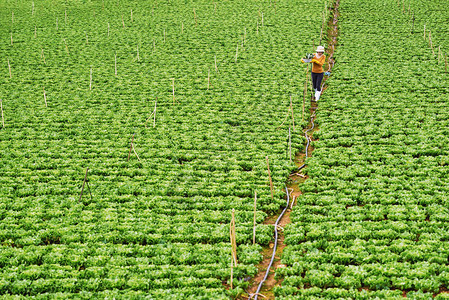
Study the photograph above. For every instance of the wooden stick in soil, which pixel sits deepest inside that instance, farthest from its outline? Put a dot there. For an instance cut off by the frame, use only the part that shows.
(271, 181)
(84, 182)
(135, 152)
(194, 16)
(304, 101)
(232, 271)
(254, 221)
(290, 144)
(45, 97)
(1, 107)
(9, 67)
(293, 117)
(123, 22)
(130, 147)
(233, 240)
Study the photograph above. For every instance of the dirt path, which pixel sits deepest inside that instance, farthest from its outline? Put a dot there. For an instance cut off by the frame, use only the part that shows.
(294, 180)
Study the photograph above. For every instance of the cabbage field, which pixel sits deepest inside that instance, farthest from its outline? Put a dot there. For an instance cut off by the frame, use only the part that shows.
(200, 89)
(132, 130)
(373, 220)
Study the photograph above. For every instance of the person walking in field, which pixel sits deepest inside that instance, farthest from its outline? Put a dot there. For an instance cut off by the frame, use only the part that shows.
(317, 71)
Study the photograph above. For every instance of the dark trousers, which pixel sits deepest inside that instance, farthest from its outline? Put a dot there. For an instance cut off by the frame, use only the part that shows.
(316, 80)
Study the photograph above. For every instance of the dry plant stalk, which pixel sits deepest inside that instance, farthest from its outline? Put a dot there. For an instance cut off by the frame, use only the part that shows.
(56, 23)
(138, 58)
(35, 32)
(290, 143)
(1, 107)
(232, 271)
(123, 22)
(182, 27)
(132, 21)
(45, 97)
(271, 181)
(254, 221)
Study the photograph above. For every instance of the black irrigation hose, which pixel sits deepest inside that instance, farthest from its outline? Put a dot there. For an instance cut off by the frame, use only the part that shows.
(275, 246)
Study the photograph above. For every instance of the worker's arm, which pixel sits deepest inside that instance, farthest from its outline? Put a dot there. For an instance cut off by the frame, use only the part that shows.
(318, 62)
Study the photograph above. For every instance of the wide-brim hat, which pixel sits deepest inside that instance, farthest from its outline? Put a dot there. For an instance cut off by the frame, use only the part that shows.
(320, 49)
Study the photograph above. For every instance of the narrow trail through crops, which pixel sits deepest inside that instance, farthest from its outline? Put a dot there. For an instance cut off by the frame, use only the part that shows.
(294, 180)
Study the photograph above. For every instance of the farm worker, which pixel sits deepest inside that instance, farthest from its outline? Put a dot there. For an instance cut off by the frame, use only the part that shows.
(317, 70)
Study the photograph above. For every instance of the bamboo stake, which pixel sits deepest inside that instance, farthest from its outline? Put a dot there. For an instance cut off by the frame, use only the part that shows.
(290, 143)
(215, 59)
(194, 16)
(66, 48)
(9, 67)
(45, 97)
(115, 63)
(135, 152)
(43, 56)
(262, 19)
(236, 52)
(254, 221)
(182, 27)
(173, 86)
(84, 182)
(1, 107)
(56, 23)
(123, 22)
(34, 31)
(233, 240)
(11, 40)
(271, 181)
(138, 58)
(65, 16)
(232, 270)
(257, 28)
(108, 28)
(132, 21)
(130, 147)
(293, 117)
(90, 82)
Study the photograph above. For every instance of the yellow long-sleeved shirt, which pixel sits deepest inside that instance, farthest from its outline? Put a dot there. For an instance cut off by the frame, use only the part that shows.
(317, 64)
